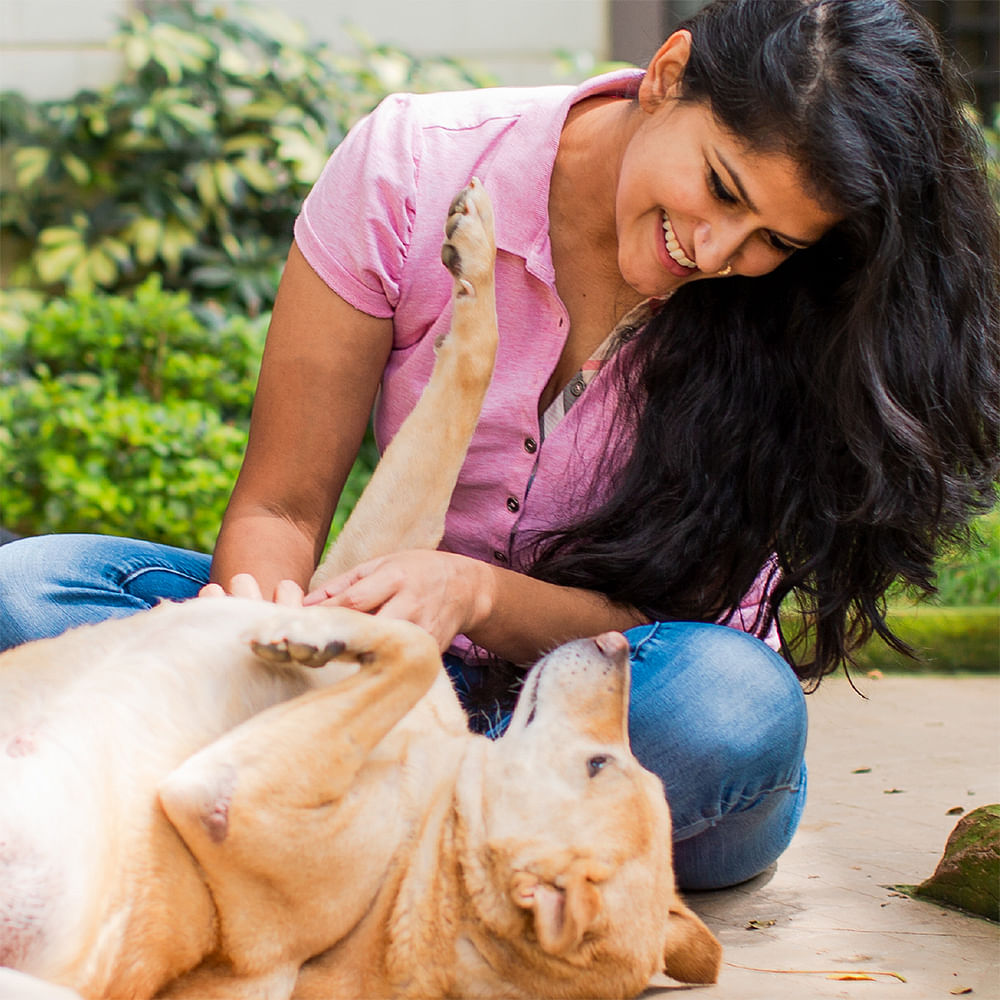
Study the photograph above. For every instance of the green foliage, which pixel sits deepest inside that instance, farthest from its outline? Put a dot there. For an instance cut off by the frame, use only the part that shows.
(973, 577)
(946, 640)
(124, 415)
(128, 415)
(991, 134)
(194, 163)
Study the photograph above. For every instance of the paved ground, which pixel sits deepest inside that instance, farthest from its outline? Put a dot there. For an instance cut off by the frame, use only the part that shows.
(931, 744)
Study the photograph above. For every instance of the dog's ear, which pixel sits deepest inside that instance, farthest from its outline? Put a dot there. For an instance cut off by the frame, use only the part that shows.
(562, 913)
(692, 954)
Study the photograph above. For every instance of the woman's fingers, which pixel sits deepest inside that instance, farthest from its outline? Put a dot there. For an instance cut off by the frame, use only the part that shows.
(288, 592)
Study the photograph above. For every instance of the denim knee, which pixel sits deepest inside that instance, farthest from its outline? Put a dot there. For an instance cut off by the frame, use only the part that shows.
(721, 718)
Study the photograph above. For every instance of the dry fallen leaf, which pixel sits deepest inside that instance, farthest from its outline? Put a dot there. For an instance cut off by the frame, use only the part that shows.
(758, 925)
(851, 977)
(955, 811)
(960, 990)
(893, 791)
(862, 770)
(829, 973)
(875, 675)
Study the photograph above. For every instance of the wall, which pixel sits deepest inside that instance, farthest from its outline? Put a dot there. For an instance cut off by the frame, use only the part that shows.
(51, 48)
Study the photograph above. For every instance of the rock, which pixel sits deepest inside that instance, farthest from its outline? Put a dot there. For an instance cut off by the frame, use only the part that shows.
(968, 874)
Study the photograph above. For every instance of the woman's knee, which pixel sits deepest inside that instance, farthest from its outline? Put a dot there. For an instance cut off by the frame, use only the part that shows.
(721, 718)
(717, 714)
(720, 686)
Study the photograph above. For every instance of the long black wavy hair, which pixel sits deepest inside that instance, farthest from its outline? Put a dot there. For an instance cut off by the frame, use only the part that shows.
(841, 413)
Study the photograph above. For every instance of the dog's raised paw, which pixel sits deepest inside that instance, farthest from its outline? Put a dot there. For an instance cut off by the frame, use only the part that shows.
(468, 250)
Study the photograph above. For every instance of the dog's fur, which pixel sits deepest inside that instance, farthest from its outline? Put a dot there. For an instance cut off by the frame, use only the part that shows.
(228, 798)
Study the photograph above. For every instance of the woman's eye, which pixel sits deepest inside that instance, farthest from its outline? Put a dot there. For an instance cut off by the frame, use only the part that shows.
(719, 189)
(780, 245)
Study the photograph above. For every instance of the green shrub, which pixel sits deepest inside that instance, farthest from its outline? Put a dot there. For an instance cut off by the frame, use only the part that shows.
(125, 416)
(128, 415)
(195, 162)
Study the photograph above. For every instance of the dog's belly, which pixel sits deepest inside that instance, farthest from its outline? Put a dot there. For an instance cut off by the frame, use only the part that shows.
(85, 738)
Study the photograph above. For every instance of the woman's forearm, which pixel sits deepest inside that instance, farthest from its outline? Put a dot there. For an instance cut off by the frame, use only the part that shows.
(519, 618)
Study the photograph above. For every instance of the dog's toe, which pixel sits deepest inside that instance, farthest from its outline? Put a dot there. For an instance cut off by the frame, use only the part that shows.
(468, 249)
(273, 651)
(315, 656)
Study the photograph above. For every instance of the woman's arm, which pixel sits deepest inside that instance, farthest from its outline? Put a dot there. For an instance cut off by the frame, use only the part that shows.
(512, 615)
(321, 368)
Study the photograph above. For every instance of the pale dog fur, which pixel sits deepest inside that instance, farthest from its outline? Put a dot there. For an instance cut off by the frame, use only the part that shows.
(186, 813)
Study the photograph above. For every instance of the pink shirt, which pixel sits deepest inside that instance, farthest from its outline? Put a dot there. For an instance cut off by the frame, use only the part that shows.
(372, 229)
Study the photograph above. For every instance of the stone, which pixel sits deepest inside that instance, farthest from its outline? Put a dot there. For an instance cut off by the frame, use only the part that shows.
(968, 874)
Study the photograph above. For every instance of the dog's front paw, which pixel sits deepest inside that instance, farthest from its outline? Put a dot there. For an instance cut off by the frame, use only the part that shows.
(469, 249)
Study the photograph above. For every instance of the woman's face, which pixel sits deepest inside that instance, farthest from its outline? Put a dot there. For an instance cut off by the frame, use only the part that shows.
(692, 199)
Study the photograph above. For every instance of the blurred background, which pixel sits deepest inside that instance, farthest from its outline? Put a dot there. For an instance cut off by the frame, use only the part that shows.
(51, 48)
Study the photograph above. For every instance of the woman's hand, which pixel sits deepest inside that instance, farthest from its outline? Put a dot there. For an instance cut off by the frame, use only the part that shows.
(244, 585)
(443, 593)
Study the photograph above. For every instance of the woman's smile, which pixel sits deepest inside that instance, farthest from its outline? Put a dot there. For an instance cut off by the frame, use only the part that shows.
(675, 252)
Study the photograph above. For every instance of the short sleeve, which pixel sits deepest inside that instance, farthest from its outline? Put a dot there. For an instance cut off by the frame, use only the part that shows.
(354, 227)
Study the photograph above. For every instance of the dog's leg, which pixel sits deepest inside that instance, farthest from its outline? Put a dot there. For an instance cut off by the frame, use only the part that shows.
(264, 807)
(404, 504)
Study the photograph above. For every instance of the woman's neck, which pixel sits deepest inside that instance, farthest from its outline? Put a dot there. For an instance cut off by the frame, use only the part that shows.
(582, 197)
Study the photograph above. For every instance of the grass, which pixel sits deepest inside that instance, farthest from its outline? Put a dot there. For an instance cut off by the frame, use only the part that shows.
(947, 640)
(959, 629)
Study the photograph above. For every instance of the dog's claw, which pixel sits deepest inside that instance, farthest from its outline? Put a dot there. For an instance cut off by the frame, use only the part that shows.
(273, 652)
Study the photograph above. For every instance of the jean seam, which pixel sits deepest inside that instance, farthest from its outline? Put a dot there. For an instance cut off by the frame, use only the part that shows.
(637, 648)
(743, 804)
(172, 571)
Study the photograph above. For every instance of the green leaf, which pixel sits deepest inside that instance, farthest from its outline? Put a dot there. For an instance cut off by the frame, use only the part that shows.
(76, 168)
(55, 265)
(196, 120)
(30, 163)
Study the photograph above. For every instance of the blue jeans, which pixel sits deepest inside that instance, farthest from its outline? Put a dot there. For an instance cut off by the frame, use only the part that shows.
(715, 713)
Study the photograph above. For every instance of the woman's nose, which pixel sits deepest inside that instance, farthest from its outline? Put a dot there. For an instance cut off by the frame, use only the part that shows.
(717, 243)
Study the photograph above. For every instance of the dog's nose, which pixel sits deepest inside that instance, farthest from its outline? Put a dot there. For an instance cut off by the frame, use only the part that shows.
(612, 644)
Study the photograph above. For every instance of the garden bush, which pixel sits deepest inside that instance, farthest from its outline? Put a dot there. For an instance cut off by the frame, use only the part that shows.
(128, 414)
(194, 163)
(124, 415)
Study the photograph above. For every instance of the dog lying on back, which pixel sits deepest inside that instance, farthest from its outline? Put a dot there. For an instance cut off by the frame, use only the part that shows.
(232, 799)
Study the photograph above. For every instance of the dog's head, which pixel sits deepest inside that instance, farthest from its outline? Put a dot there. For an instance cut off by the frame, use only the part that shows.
(574, 839)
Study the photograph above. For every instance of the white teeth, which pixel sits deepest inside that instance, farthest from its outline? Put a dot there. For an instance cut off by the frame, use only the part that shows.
(673, 247)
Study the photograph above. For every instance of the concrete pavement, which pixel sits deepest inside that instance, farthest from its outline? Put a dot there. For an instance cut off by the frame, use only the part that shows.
(883, 775)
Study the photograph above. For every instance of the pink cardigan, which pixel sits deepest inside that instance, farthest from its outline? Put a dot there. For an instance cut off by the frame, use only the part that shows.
(372, 227)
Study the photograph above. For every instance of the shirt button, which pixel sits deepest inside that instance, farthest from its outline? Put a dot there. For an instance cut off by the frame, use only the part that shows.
(577, 387)
(512, 505)
(499, 556)
(530, 445)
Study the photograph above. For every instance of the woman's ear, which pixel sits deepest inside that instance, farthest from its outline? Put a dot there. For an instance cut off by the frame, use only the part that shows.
(665, 71)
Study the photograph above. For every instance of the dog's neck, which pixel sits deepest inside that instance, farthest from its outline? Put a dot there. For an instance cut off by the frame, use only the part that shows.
(493, 932)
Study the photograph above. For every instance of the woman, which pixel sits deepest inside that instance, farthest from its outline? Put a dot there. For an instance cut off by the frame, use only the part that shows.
(748, 312)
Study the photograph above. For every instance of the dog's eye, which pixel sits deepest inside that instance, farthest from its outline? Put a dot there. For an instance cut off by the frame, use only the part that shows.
(596, 764)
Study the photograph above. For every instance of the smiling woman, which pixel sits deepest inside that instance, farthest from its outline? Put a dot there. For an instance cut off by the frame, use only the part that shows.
(748, 315)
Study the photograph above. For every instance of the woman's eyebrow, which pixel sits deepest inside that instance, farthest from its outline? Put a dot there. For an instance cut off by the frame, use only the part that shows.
(738, 184)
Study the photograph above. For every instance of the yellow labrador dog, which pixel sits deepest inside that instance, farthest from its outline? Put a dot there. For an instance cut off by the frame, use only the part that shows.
(232, 799)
